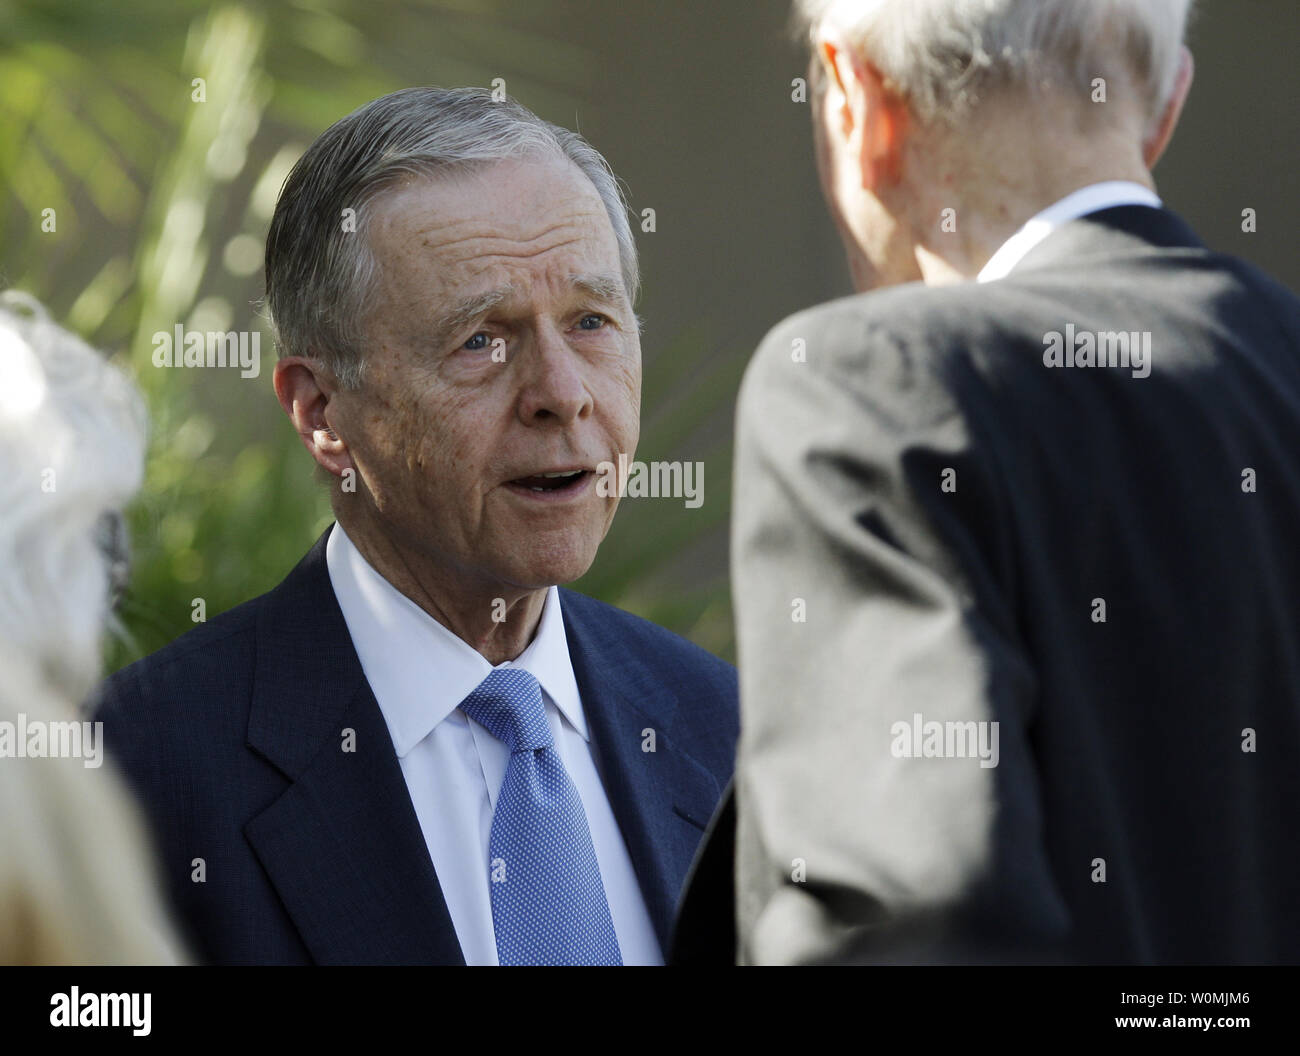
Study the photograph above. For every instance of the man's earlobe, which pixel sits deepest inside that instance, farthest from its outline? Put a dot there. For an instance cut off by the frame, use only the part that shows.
(305, 389)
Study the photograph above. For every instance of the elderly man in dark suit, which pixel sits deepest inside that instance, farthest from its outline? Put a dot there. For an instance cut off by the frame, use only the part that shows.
(417, 749)
(1015, 539)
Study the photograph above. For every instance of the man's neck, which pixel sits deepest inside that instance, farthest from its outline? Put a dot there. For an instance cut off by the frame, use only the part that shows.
(496, 621)
(961, 220)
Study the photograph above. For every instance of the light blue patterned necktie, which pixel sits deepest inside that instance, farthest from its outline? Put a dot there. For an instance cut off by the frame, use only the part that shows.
(548, 901)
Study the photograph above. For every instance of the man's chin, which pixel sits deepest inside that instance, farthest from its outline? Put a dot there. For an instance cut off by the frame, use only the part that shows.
(548, 570)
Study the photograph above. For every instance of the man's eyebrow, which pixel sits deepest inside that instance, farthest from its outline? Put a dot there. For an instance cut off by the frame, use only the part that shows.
(606, 288)
(603, 287)
(466, 311)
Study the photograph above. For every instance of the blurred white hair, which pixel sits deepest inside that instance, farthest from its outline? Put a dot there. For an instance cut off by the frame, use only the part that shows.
(945, 56)
(72, 434)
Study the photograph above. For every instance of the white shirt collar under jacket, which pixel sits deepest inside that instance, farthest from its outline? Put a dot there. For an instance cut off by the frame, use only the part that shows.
(420, 671)
(1091, 199)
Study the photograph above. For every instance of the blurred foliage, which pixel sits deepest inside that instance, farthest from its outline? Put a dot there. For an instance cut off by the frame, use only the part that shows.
(160, 207)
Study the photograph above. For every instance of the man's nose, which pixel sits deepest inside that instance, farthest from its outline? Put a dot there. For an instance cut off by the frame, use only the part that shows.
(554, 386)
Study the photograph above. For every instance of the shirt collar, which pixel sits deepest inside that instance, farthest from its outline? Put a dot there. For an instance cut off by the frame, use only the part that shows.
(1090, 199)
(547, 660)
(418, 669)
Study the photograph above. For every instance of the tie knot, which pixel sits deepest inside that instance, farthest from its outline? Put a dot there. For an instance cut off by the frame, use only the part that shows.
(508, 704)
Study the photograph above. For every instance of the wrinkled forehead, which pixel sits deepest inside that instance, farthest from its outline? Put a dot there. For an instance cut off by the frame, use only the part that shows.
(518, 222)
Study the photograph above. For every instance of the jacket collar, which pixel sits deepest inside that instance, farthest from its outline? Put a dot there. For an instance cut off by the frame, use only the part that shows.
(1122, 230)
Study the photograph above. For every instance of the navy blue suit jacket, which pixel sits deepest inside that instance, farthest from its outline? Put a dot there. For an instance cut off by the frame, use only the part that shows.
(233, 738)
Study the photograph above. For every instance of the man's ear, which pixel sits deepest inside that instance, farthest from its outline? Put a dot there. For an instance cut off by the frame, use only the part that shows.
(308, 392)
(871, 118)
(838, 73)
(886, 124)
(1163, 132)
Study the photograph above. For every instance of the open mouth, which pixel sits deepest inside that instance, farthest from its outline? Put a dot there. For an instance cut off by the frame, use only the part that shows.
(563, 482)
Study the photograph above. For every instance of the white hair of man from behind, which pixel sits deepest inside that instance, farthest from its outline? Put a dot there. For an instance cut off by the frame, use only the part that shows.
(947, 56)
(72, 435)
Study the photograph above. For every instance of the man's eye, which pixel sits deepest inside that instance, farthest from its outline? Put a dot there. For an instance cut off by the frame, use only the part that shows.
(591, 322)
(477, 343)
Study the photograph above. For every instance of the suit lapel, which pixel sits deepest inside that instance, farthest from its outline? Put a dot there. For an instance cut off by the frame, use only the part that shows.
(342, 844)
(661, 797)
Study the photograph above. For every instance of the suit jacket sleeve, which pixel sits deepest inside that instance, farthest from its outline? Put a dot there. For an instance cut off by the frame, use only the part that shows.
(873, 562)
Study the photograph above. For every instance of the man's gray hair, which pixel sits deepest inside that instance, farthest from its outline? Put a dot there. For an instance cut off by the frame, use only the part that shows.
(945, 56)
(321, 276)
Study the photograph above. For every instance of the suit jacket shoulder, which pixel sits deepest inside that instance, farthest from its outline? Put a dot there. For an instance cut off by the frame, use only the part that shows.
(212, 654)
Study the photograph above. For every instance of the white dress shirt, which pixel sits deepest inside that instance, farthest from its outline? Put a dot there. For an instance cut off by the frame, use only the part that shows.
(1090, 199)
(420, 672)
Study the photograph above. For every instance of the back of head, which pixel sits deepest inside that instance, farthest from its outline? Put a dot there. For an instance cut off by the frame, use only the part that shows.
(949, 57)
(988, 109)
(74, 858)
(72, 433)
